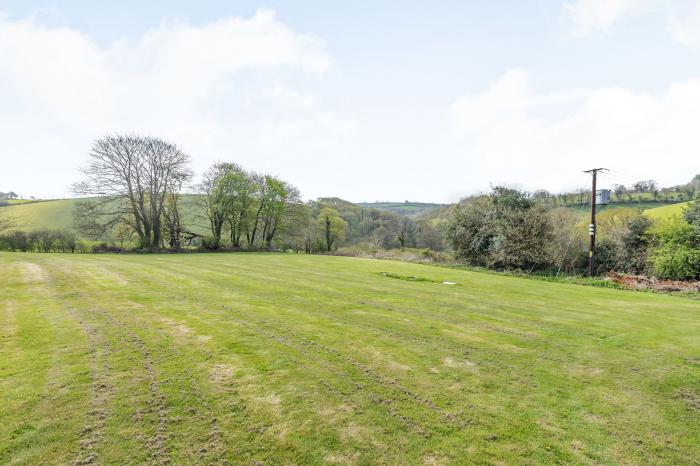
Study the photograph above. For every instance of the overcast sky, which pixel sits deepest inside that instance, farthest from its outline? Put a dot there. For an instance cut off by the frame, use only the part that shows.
(375, 100)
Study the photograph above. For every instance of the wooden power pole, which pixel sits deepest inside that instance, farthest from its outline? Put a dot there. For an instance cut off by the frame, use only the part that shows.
(592, 226)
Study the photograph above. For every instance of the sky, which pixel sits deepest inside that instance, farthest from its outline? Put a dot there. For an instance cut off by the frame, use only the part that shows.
(363, 100)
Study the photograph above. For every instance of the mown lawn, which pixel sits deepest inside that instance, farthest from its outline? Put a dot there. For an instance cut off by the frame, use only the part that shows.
(293, 359)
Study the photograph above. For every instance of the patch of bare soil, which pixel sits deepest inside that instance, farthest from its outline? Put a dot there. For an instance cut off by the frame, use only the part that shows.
(179, 330)
(642, 282)
(690, 397)
(32, 273)
(221, 374)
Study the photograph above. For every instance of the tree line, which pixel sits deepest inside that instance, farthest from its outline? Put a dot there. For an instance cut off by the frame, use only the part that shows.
(142, 193)
(639, 191)
(509, 229)
(43, 240)
(137, 194)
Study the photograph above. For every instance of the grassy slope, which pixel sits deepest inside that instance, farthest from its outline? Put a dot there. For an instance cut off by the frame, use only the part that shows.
(54, 214)
(666, 211)
(307, 360)
(17, 201)
(58, 214)
(410, 209)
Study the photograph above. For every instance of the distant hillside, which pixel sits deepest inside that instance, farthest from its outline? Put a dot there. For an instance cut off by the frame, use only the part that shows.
(666, 211)
(641, 205)
(57, 214)
(54, 214)
(410, 209)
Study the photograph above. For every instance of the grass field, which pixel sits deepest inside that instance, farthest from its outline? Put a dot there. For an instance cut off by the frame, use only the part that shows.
(666, 211)
(58, 214)
(17, 201)
(411, 209)
(293, 359)
(54, 214)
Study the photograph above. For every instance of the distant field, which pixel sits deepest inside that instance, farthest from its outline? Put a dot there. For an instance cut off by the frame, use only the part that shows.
(294, 359)
(403, 208)
(58, 214)
(54, 214)
(640, 206)
(667, 211)
(16, 201)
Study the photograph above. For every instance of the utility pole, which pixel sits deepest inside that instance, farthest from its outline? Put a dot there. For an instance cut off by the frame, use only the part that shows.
(592, 226)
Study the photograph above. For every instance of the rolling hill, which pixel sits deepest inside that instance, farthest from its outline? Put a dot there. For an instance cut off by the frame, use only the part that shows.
(52, 214)
(58, 214)
(666, 211)
(409, 209)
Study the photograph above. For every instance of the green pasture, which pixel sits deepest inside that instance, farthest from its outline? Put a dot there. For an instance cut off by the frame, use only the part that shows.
(295, 359)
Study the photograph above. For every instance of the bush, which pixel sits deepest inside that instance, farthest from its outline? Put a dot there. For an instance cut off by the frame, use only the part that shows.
(607, 257)
(104, 247)
(676, 261)
(41, 241)
(502, 230)
(676, 252)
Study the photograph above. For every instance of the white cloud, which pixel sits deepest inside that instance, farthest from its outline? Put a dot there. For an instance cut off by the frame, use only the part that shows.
(684, 22)
(548, 138)
(682, 16)
(237, 88)
(588, 16)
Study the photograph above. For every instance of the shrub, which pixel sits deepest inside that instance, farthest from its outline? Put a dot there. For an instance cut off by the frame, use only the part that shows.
(502, 230)
(676, 252)
(104, 247)
(676, 261)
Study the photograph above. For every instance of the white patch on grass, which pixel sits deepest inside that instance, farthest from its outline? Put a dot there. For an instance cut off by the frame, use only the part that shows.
(461, 364)
(221, 374)
(32, 273)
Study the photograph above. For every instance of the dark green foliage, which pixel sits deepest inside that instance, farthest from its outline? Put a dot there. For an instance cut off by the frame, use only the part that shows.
(471, 233)
(635, 242)
(608, 257)
(374, 228)
(676, 261)
(41, 241)
(676, 253)
(692, 216)
(502, 230)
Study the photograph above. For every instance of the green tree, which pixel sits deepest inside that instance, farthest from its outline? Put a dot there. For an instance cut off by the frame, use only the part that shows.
(214, 201)
(332, 227)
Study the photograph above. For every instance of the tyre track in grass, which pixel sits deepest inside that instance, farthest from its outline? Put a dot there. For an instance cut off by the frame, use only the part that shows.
(400, 393)
(92, 434)
(157, 444)
(386, 393)
(369, 373)
(387, 404)
(214, 449)
(310, 350)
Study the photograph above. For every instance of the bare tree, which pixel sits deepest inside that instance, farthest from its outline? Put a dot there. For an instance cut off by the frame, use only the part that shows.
(407, 232)
(619, 190)
(130, 178)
